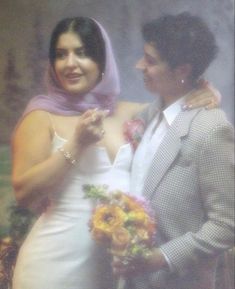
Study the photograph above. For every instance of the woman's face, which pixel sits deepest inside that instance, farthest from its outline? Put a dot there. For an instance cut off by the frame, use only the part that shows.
(76, 72)
(159, 77)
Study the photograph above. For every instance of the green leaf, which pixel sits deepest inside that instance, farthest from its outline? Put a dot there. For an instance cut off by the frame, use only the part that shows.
(95, 192)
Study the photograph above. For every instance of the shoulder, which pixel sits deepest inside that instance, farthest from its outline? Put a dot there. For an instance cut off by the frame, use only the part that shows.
(211, 125)
(33, 123)
(212, 118)
(131, 108)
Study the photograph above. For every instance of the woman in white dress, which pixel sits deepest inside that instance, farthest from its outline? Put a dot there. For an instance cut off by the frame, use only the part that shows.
(58, 146)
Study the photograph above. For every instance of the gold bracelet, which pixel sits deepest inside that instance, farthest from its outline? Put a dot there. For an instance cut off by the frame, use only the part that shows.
(68, 156)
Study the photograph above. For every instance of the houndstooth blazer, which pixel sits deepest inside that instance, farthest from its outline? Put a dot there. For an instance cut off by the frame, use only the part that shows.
(190, 185)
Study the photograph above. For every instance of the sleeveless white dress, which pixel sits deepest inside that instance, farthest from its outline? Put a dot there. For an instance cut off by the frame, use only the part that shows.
(59, 252)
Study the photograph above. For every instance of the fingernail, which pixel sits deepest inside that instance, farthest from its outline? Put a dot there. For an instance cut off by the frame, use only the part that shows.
(106, 111)
(184, 107)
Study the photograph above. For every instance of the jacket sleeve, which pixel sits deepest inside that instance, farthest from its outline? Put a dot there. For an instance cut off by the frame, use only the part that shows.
(216, 183)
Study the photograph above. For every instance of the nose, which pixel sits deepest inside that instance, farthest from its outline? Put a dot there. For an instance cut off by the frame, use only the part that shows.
(141, 64)
(71, 60)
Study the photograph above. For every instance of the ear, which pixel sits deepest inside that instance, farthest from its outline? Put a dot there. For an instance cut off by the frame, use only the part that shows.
(184, 71)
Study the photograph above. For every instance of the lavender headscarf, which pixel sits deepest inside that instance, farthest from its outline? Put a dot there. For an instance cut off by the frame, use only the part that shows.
(103, 96)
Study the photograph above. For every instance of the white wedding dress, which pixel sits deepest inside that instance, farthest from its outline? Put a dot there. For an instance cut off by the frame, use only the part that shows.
(59, 252)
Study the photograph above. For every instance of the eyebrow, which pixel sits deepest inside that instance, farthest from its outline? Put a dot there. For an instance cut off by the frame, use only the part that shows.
(80, 48)
(150, 56)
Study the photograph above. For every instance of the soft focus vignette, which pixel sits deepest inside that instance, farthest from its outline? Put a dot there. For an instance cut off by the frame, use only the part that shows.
(26, 44)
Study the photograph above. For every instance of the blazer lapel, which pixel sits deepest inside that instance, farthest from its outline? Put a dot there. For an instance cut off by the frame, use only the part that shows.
(167, 151)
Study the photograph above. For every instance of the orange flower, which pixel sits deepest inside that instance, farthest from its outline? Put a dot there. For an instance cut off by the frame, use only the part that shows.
(122, 223)
(100, 237)
(138, 217)
(120, 239)
(151, 226)
(107, 218)
(128, 203)
(143, 234)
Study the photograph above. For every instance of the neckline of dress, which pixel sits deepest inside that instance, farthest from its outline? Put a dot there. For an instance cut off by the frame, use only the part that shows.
(112, 162)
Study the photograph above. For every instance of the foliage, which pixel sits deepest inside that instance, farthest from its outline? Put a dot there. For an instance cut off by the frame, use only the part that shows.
(20, 222)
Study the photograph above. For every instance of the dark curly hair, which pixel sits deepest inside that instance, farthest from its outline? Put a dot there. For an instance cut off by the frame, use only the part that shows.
(90, 34)
(182, 39)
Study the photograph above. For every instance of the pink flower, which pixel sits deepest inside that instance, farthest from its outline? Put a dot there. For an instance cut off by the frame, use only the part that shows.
(133, 131)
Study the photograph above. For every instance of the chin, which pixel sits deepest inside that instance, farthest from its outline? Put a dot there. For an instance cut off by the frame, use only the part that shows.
(151, 89)
(74, 90)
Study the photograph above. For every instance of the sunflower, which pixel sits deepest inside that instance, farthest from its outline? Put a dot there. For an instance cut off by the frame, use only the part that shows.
(107, 218)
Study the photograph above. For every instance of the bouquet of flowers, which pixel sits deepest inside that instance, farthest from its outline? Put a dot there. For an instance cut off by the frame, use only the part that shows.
(122, 223)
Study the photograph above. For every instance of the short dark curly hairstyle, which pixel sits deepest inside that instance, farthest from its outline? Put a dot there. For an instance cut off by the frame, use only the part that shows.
(182, 39)
(90, 34)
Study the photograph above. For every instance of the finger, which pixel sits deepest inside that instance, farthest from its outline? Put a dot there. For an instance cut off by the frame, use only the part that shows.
(96, 133)
(201, 98)
(129, 271)
(89, 112)
(101, 115)
(212, 104)
(102, 132)
(208, 103)
(202, 83)
(206, 86)
(199, 103)
(195, 96)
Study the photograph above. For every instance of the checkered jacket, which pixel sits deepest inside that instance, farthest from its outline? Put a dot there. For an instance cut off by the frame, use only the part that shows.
(190, 185)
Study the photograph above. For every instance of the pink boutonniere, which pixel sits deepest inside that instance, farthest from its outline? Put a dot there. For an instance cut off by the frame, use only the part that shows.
(133, 131)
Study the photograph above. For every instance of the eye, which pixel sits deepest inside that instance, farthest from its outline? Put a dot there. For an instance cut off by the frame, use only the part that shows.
(60, 54)
(150, 60)
(80, 52)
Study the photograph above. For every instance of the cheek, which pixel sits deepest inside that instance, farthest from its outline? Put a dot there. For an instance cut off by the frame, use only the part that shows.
(161, 77)
(57, 69)
(95, 73)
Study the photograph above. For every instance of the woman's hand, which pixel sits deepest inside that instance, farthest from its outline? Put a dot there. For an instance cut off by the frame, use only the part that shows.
(89, 130)
(204, 96)
(123, 266)
(90, 127)
(37, 171)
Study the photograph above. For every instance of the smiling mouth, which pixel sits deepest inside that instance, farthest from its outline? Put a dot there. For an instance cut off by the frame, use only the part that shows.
(145, 79)
(73, 76)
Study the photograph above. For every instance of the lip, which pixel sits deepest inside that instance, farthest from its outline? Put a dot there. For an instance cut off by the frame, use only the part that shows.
(146, 79)
(73, 76)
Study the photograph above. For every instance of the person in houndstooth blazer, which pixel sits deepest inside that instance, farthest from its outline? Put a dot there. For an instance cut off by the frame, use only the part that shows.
(184, 163)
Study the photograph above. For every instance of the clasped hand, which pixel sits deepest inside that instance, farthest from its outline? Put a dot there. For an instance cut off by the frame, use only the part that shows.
(90, 127)
(130, 267)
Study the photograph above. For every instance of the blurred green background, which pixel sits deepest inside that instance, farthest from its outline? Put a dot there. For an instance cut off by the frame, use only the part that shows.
(6, 191)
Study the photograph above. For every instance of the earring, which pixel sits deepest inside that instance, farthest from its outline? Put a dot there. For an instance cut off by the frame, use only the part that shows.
(182, 81)
(102, 75)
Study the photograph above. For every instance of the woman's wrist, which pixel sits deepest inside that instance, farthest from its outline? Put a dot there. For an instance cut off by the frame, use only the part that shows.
(68, 156)
(71, 152)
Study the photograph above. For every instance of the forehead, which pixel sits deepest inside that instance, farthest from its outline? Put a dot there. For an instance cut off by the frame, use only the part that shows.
(69, 40)
(151, 50)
